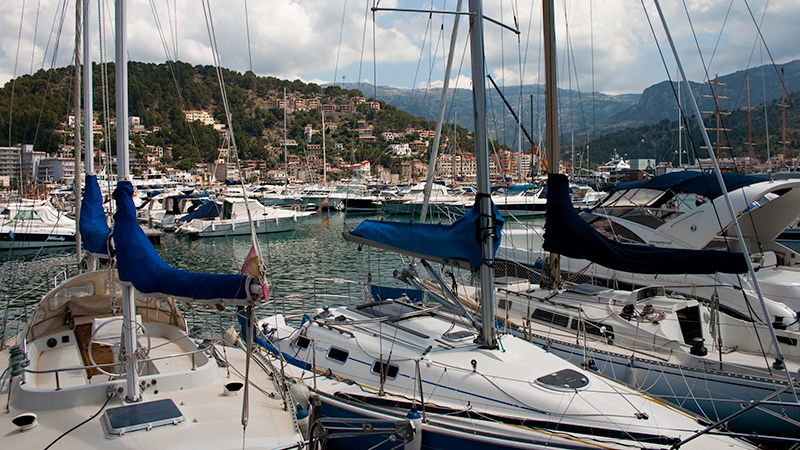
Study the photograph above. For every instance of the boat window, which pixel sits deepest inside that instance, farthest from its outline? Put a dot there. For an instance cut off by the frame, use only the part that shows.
(504, 304)
(227, 211)
(27, 215)
(391, 370)
(649, 292)
(302, 342)
(64, 295)
(566, 379)
(597, 329)
(550, 317)
(338, 354)
(787, 340)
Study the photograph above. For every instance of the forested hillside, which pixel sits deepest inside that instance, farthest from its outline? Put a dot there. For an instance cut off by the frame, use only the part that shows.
(160, 93)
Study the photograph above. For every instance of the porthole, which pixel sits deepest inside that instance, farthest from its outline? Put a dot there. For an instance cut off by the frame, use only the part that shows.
(338, 354)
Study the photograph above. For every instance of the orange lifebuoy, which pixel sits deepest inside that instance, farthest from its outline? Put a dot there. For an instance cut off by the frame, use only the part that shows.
(295, 207)
(453, 185)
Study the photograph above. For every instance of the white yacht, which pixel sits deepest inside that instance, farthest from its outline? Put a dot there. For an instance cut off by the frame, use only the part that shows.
(229, 217)
(28, 224)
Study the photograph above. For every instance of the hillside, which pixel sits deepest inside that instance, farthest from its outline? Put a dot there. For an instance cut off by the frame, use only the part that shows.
(659, 141)
(160, 93)
(608, 113)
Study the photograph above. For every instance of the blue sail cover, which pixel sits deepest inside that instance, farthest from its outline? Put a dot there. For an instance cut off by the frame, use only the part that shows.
(694, 182)
(92, 224)
(139, 264)
(566, 233)
(457, 240)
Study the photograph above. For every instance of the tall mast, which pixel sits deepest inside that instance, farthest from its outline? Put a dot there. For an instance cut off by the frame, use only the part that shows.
(285, 143)
(324, 167)
(551, 118)
(749, 120)
(482, 160)
(88, 113)
(783, 106)
(124, 174)
(680, 124)
(76, 131)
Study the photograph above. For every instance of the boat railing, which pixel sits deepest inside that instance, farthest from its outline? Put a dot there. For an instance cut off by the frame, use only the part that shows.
(59, 370)
(346, 293)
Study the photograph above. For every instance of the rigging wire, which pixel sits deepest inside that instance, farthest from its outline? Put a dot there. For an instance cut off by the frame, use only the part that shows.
(363, 43)
(339, 48)
(247, 26)
(14, 82)
(769, 53)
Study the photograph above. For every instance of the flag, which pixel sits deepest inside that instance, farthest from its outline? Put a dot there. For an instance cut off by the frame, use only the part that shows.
(252, 268)
(323, 205)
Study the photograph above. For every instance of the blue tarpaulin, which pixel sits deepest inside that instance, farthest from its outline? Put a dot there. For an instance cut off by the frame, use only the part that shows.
(566, 233)
(458, 240)
(694, 182)
(207, 210)
(93, 225)
(139, 264)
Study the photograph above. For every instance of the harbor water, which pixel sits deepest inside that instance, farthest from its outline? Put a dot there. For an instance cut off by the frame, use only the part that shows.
(312, 263)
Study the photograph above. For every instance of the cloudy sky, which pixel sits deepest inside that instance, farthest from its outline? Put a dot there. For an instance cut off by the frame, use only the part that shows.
(605, 44)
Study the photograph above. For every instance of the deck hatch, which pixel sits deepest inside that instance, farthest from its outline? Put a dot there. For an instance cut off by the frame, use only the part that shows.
(566, 379)
(141, 416)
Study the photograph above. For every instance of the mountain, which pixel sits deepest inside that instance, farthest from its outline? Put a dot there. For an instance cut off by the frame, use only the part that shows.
(501, 124)
(609, 112)
(658, 102)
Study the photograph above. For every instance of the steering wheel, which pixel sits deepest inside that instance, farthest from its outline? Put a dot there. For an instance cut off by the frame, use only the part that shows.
(145, 351)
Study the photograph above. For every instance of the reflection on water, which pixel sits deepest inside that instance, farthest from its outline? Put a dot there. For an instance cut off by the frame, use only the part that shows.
(293, 261)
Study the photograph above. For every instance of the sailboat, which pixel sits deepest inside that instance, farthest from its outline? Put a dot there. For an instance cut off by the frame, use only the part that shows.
(106, 360)
(460, 382)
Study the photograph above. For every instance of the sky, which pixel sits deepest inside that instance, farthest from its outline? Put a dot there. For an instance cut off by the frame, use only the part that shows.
(603, 45)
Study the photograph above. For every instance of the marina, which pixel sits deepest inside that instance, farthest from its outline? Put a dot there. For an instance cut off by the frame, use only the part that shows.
(308, 300)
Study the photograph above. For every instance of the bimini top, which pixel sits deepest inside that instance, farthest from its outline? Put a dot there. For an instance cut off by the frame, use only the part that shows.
(693, 182)
(566, 233)
(453, 244)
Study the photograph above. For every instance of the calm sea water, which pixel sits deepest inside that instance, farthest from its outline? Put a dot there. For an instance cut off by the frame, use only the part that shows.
(304, 265)
(309, 261)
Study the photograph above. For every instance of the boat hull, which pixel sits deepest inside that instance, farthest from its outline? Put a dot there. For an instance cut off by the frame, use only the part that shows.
(713, 394)
(35, 240)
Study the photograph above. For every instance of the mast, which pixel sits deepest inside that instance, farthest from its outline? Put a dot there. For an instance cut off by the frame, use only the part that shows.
(324, 166)
(482, 159)
(750, 110)
(124, 174)
(553, 275)
(88, 113)
(783, 106)
(76, 132)
(285, 143)
(680, 125)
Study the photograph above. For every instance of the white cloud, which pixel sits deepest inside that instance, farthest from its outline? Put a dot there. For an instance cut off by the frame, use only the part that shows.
(612, 49)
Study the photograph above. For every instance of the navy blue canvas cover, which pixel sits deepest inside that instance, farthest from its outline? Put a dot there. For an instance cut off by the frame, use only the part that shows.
(93, 226)
(566, 233)
(457, 240)
(139, 264)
